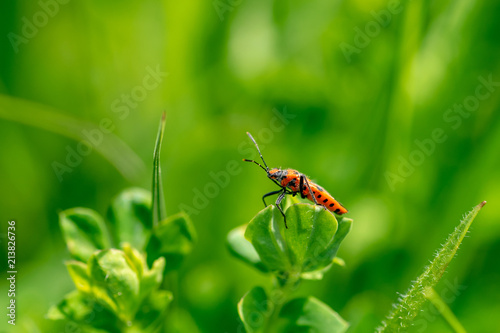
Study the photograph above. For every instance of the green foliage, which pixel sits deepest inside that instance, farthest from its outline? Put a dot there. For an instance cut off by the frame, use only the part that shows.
(50, 119)
(115, 288)
(310, 315)
(444, 310)
(254, 310)
(412, 302)
(84, 232)
(119, 281)
(413, 65)
(298, 315)
(306, 250)
(242, 249)
(159, 210)
(79, 307)
(120, 287)
(173, 238)
(130, 215)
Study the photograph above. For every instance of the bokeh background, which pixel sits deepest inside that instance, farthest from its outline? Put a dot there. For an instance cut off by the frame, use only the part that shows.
(360, 82)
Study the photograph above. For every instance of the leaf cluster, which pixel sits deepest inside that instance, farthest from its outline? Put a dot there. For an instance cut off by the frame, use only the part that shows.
(119, 267)
(118, 270)
(304, 251)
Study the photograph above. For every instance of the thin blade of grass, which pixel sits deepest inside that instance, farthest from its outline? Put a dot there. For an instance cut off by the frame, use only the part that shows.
(412, 302)
(47, 118)
(444, 310)
(159, 210)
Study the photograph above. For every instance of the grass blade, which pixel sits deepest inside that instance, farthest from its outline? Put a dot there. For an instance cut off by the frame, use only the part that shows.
(444, 309)
(159, 210)
(410, 304)
(47, 118)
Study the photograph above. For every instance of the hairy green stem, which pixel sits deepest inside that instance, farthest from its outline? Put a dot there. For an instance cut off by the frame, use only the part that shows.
(412, 302)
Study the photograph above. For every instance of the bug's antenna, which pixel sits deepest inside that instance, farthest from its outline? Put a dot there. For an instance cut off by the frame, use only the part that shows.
(262, 158)
(255, 163)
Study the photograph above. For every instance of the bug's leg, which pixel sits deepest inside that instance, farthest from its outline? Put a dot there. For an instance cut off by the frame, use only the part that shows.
(312, 194)
(303, 180)
(278, 203)
(301, 187)
(269, 194)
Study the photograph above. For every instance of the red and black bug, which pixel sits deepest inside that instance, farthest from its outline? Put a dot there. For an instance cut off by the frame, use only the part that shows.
(292, 182)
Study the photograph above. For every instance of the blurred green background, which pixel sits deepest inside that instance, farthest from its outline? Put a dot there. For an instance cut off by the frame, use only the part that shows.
(360, 81)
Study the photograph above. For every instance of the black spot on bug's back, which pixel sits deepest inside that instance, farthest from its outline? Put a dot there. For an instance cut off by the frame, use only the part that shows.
(319, 196)
(331, 205)
(337, 210)
(325, 200)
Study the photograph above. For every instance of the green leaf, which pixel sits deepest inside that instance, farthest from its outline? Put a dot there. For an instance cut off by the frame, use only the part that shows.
(263, 232)
(90, 316)
(135, 259)
(121, 280)
(152, 279)
(151, 313)
(310, 315)
(259, 313)
(173, 238)
(308, 247)
(323, 255)
(180, 320)
(412, 302)
(115, 282)
(78, 272)
(241, 248)
(159, 210)
(255, 309)
(130, 214)
(290, 200)
(84, 232)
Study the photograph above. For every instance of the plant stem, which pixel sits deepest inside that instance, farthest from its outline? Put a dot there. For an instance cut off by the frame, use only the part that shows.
(173, 281)
(280, 295)
(444, 309)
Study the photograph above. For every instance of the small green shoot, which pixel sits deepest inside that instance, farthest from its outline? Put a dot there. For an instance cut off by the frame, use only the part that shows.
(412, 302)
(120, 282)
(159, 210)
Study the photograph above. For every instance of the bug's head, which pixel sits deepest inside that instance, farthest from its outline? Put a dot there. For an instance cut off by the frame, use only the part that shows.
(275, 174)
